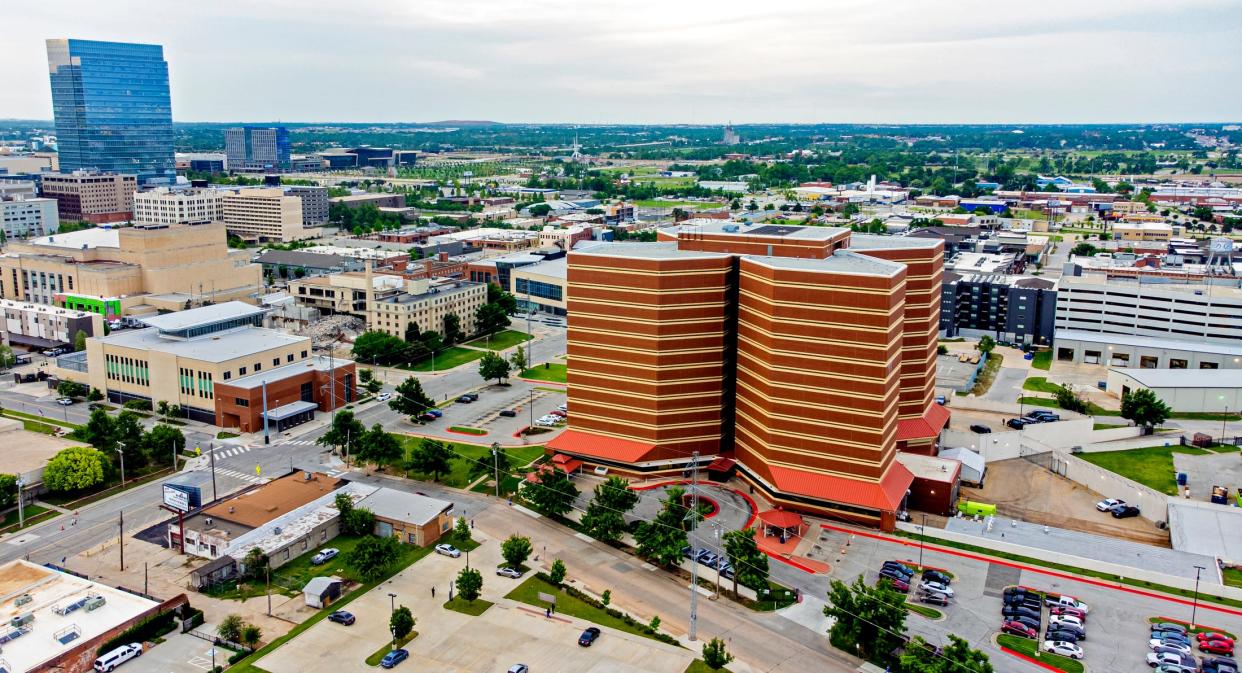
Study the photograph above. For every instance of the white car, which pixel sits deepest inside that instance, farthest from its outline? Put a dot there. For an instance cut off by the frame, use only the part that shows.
(1063, 648)
(936, 587)
(1155, 659)
(448, 550)
(1108, 504)
(511, 573)
(324, 556)
(1170, 644)
(1066, 602)
(1058, 620)
(384, 397)
(518, 668)
(564, 407)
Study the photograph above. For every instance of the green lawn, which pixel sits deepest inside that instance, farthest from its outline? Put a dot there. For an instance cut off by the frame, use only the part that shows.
(1233, 577)
(501, 340)
(930, 613)
(1092, 408)
(468, 431)
(1108, 426)
(1042, 360)
(473, 608)
(32, 511)
(292, 576)
(697, 666)
(1027, 646)
(1151, 466)
(550, 371)
(225, 434)
(469, 454)
(1040, 384)
(988, 374)
(21, 415)
(448, 358)
(528, 592)
(375, 657)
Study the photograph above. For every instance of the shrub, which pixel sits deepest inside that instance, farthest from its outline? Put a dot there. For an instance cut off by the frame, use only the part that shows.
(141, 405)
(150, 628)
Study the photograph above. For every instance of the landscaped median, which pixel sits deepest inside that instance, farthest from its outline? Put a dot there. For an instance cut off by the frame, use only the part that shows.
(374, 659)
(1025, 648)
(570, 601)
(473, 608)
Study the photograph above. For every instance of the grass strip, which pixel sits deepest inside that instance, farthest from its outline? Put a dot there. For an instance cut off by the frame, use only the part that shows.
(1031, 649)
(374, 659)
(473, 608)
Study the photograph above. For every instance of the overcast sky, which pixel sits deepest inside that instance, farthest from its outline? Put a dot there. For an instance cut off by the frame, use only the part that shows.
(660, 61)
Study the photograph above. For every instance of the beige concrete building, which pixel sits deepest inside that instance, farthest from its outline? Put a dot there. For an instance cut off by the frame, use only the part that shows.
(38, 326)
(90, 196)
(139, 269)
(1132, 230)
(541, 287)
(179, 357)
(393, 302)
(164, 206)
(265, 215)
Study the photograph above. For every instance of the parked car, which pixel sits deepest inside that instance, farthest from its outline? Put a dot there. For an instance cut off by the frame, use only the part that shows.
(110, 660)
(708, 559)
(1016, 423)
(1218, 665)
(474, 397)
(895, 575)
(558, 413)
(341, 617)
(900, 567)
(1066, 610)
(980, 429)
(1066, 635)
(518, 668)
(1018, 629)
(1170, 644)
(383, 397)
(1045, 416)
(1125, 512)
(435, 412)
(1216, 646)
(508, 413)
(928, 585)
(1208, 635)
(1067, 601)
(564, 406)
(65, 401)
(1023, 599)
(937, 576)
(933, 598)
(448, 550)
(393, 658)
(1032, 419)
(589, 636)
(1175, 636)
(324, 556)
(465, 399)
(1162, 649)
(1155, 659)
(897, 584)
(1063, 648)
(511, 573)
(1023, 610)
(1108, 504)
(1059, 620)
(427, 417)
(1033, 624)
(687, 552)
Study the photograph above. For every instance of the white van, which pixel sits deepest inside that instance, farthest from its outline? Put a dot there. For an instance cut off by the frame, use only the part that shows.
(117, 657)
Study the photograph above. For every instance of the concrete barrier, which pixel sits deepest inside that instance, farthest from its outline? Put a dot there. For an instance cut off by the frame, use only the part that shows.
(1064, 434)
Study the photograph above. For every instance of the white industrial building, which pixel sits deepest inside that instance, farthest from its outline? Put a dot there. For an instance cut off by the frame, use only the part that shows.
(1143, 352)
(1213, 390)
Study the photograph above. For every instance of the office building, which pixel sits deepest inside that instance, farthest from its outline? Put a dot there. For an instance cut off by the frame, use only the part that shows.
(315, 203)
(1169, 310)
(23, 216)
(202, 162)
(804, 354)
(1016, 309)
(112, 107)
(89, 196)
(129, 270)
(541, 287)
(253, 148)
(11, 187)
(191, 206)
(377, 200)
(389, 302)
(295, 390)
(39, 326)
(266, 215)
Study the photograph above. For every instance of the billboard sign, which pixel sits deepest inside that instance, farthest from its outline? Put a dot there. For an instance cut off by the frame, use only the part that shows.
(182, 497)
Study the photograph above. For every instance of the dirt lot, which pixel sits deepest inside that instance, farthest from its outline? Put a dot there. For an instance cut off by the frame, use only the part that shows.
(1028, 492)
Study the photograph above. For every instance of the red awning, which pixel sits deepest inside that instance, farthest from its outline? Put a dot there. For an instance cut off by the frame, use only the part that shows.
(778, 518)
(721, 464)
(591, 445)
(566, 464)
(930, 425)
(884, 496)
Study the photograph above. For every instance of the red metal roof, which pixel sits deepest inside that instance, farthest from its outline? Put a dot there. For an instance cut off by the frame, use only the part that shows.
(930, 425)
(566, 464)
(779, 518)
(590, 445)
(885, 495)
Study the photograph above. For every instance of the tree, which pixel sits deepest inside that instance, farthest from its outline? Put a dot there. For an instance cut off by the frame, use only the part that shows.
(452, 329)
(557, 573)
(127, 434)
(518, 359)
(379, 447)
(379, 348)
(492, 366)
(986, 344)
(401, 623)
(1145, 409)
(411, 332)
(162, 441)
(346, 431)
(360, 521)
(95, 395)
(654, 624)
(870, 620)
(256, 563)
(1069, 400)
(604, 519)
(942, 349)
(98, 431)
(373, 555)
(461, 529)
(373, 386)
(554, 493)
(410, 400)
(662, 538)
(250, 635)
(67, 388)
(606, 597)
(469, 584)
(6, 357)
(715, 655)
(230, 628)
(750, 565)
(8, 490)
(366, 375)
(430, 456)
(919, 656)
(490, 318)
(79, 341)
(499, 465)
(1084, 250)
(515, 550)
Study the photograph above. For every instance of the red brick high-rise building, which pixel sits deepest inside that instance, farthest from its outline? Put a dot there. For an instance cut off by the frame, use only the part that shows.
(805, 354)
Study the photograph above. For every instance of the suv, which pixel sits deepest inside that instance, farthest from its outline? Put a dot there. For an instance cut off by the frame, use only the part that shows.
(1125, 511)
(1016, 423)
(1045, 416)
(980, 429)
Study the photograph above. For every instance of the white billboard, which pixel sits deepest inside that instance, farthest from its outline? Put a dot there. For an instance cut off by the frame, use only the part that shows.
(176, 498)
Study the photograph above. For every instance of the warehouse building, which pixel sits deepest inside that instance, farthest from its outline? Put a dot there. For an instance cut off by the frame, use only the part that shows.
(1191, 390)
(1142, 352)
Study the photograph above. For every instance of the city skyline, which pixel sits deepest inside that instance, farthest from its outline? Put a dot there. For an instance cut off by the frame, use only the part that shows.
(554, 62)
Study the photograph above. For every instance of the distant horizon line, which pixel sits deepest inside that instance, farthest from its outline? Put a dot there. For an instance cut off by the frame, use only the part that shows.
(481, 122)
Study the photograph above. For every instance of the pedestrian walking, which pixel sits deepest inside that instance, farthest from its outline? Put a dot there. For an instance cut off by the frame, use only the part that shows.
(547, 612)
(433, 591)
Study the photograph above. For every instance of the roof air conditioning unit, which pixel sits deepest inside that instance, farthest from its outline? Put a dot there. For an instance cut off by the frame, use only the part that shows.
(277, 530)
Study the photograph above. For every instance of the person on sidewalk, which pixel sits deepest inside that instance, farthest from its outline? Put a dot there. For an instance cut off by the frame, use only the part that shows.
(433, 591)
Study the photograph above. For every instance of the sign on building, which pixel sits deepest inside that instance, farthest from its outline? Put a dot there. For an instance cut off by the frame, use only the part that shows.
(182, 497)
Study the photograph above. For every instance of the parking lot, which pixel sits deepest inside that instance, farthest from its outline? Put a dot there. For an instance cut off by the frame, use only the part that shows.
(485, 412)
(1117, 625)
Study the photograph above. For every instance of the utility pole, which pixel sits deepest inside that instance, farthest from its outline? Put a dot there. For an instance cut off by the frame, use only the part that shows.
(530, 336)
(532, 412)
(694, 566)
(266, 438)
(145, 584)
(269, 588)
(211, 450)
(120, 536)
(21, 507)
(922, 530)
(1195, 608)
(496, 466)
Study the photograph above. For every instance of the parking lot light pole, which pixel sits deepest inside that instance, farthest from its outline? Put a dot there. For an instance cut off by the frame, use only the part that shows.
(496, 465)
(1195, 606)
(392, 610)
(922, 530)
(121, 453)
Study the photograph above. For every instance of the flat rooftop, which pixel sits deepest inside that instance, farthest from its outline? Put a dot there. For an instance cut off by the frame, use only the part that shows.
(48, 634)
(95, 237)
(1106, 339)
(219, 347)
(873, 242)
(42, 308)
(932, 468)
(659, 250)
(397, 505)
(1184, 378)
(840, 262)
(204, 315)
(275, 498)
(25, 451)
(1204, 528)
(556, 268)
(727, 228)
(319, 363)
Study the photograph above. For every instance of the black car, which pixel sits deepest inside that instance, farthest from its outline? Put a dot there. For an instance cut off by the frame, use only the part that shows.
(1046, 416)
(1026, 621)
(465, 399)
(1062, 634)
(1022, 599)
(1015, 591)
(1125, 511)
(1016, 423)
(893, 573)
(1032, 419)
(1020, 611)
(341, 617)
(933, 598)
(980, 429)
(1219, 665)
(1067, 629)
(589, 636)
(903, 569)
(937, 576)
(508, 413)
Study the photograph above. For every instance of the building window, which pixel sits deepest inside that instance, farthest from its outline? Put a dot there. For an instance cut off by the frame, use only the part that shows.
(1177, 364)
(275, 362)
(241, 401)
(228, 375)
(241, 371)
(1208, 365)
(258, 366)
(303, 353)
(289, 357)
(1148, 362)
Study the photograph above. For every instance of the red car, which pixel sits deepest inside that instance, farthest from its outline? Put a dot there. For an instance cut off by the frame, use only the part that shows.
(903, 587)
(1202, 636)
(1067, 610)
(1019, 629)
(1216, 646)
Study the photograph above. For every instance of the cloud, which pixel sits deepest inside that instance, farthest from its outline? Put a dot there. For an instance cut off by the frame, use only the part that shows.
(701, 61)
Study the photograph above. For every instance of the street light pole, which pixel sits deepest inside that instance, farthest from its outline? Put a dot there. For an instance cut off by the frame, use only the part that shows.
(496, 466)
(922, 530)
(121, 453)
(21, 509)
(1195, 606)
(392, 611)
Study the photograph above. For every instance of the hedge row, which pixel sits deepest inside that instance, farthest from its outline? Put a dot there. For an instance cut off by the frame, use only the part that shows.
(155, 626)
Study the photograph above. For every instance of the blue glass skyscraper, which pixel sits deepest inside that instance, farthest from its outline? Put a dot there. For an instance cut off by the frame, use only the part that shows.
(112, 107)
